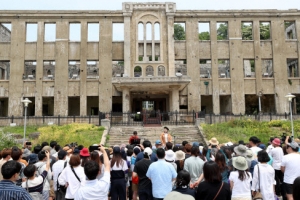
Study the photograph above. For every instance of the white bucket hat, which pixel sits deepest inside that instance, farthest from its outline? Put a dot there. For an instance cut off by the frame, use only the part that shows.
(240, 163)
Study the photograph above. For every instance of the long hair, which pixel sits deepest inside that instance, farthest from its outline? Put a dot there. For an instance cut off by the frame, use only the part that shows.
(220, 160)
(116, 159)
(212, 172)
(183, 179)
(296, 191)
(243, 174)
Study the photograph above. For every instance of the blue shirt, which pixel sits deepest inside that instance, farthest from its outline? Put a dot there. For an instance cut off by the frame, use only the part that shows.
(140, 156)
(161, 174)
(8, 190)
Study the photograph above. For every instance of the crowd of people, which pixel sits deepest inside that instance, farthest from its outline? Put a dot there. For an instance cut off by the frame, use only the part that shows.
(185, 171)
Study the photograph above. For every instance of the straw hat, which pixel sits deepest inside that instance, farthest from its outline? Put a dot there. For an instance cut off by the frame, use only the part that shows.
(240, 150)
(276, 141)
(178, 196)
(213, 141)
(179, 155)
(240, 163)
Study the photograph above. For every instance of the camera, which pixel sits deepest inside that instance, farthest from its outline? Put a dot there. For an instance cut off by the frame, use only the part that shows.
(73, 144)
(94, 148)
(28, 143)
(283, 138)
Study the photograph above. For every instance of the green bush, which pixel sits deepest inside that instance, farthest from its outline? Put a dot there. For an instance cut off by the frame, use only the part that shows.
(6, 140)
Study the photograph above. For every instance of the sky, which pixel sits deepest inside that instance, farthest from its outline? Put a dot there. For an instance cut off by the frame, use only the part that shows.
(117, 4)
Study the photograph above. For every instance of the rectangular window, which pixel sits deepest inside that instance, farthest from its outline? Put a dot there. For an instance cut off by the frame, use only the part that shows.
(5, 32)
(74, 70)
(222, 30)
(292, 67)
(204, 30)
(249, 68)
(92, 70)
(179, 31)
(50, 32)
(4, 70)
(93, 32)
(265, 30)
(205, 68)
(49, 70)
(29, 70)
(31, 32)
(180, 67)
(247, 33)
(117, 68)
(267, 68)
(224, 68)
(290, 30)
(75, 32)
(118, 31)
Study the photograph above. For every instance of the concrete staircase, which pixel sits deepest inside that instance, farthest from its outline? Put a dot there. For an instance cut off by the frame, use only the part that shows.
(120, 134)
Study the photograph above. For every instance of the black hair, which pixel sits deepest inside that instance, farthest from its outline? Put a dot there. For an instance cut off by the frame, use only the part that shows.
(221, 161)
(147, 143)
(10, 168)
(16, 153)
(57, 148)
(53, 144)
(45, 144)
(160, 152)
(263, 157)
(195, 151)
(134, 133)
(183, 179)
(80, 147)
(254, 139)
(29, 170)
(37, 149)
(212, 172)
(129, 152)
(169, 145)
(41, 155)
(243, 174)
(184, 143)
(296, 186)
(91, 169)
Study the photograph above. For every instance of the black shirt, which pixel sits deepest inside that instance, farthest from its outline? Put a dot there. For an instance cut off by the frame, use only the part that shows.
(208, 191)
(186, 190)
(141, 168)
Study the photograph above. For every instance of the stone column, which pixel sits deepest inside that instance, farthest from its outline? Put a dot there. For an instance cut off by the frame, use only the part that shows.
(125, 100)
(257, 56)
(175, 100)
(127, 47)
(170, 42)
(83, 69)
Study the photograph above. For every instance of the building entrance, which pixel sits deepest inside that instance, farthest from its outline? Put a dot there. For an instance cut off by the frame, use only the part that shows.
(149, 104)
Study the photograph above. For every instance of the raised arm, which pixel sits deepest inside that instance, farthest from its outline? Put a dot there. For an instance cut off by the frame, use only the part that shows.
(105, 159)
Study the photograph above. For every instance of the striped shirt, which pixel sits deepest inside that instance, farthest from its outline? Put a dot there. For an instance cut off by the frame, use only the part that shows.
(8, 190)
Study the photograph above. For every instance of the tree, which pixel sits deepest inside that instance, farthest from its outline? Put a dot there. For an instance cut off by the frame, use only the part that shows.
(264, 31)
(204, 36)
(179, 33)
(222, 32)
(247, 32)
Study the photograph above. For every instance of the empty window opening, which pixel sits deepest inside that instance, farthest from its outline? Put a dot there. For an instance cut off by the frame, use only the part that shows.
(205, 68)
(93, 32)
(137, 71)
(31, 32)
(267, 68)
(3, 107)
(118, 31)
(225, 104)
(4, 70)
(181, 67)
(292, 68)
(204, 30)
(265, 30)
(149, 51)
(29, 70)
(49, 70)
(222, 30)
(117, 104)
(206, 104)
(149, 31)
(290, 30)
(92, 105)
(92, 69)
(117, 68)
(73, 106)
(75, 32)
(249, 68)
(149, 71)
(30, 108)
(48, 106)
(141, 31)
(50, 32)
(161, 71)
(179, 31)
(5, 32)
(148, 105)
(224, 68)
(247, 33)
(74, 70)
(157, 31)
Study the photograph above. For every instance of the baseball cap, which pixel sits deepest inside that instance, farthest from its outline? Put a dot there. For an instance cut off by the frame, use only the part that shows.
(293, 144)
(157, 142)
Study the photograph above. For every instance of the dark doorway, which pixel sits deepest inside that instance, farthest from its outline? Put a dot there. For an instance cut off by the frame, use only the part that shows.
(139, 104)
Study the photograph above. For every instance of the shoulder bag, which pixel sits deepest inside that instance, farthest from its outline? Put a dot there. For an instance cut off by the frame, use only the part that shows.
(75, 174)
(219, 191)
(58, 186)
(258, 195)
(34, 195)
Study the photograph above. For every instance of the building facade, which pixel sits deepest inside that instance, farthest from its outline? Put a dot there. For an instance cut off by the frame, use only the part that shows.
(245, 54)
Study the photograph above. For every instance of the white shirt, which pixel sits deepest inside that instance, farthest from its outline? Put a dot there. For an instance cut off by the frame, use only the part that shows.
(166, 137)
(240, 188)
(291, 162)
(94, 189)
(67, 176)
(265, 181)
(41, 166)
(277, 155)
(269, 148)
(57, 168)
(255, 150)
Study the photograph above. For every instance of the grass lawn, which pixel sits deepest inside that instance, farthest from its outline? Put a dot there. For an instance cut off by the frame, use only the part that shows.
(243, 129)
(84, 134)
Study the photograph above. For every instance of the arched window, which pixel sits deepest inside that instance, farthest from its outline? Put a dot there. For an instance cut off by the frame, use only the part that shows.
(161, 71)
(141, 31)
(149, 71)
(137, 71)
(157, 31)
(149, 31)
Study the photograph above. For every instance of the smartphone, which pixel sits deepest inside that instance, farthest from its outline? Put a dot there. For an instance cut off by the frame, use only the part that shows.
(93, 148)
(28, 143)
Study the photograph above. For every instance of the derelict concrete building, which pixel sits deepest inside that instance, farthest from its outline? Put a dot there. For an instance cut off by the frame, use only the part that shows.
(218, 74)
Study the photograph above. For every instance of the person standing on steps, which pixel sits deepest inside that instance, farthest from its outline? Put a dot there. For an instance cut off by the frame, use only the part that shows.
(134, 138)
(165, 136)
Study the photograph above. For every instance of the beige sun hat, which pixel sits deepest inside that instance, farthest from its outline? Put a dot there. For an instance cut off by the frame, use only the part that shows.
(249, 154)
(241, 150)
(240, 163)
(179, 155)
(213, 141)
